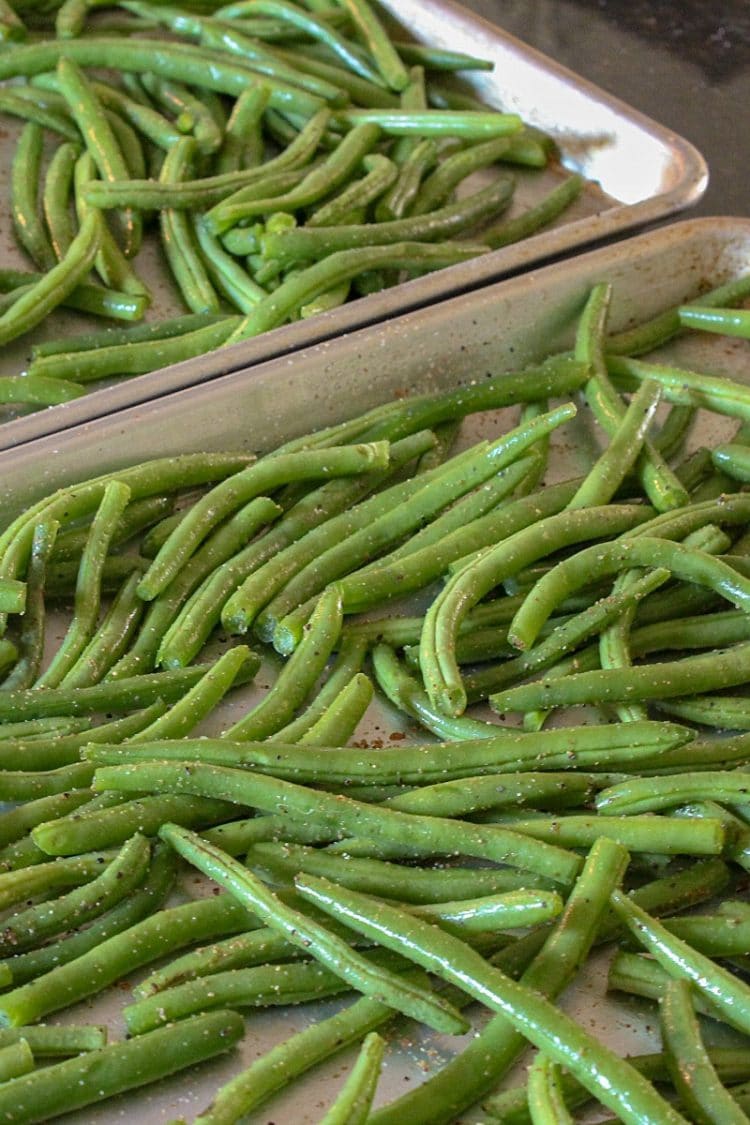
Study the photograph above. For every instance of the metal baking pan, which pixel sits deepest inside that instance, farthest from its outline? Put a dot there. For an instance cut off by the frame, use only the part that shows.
(498, 328)
(638, 172)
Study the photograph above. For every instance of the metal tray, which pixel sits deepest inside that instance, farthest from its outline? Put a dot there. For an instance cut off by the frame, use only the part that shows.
(499, 328)
(638, 172)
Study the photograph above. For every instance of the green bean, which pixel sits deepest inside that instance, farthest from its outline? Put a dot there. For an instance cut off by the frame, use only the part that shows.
(203, 609)
(409, 696)
(111, 638)
(121, 953)
(662, 487)
(107, 337)
(383, 579)
(306, 243)
(178, 239)
(285, 612)
(527, 1010)
(96, 1075)
(340, 720)
(51, 1042)
(136, 358)
(419, 885)
(733, 459)
(15, 1059)
(279, 174)
(58, 187)
(493, 791)
(353, 1104)
(721, 669)
(572, 632)
(32, 629)
(297, 1054)
(242, 146)
(231, 280)
(146, 899)
(100, 140)
(360, 90)
(259, 986)
(431, 835)
(466, 124)
(72, 835)
(26, 929)
(46, 294)
(396, 202)
(380, 174)
(506, 751)
(606, 476)
(25, 179)
(299, 289)
(689, 1064)
(204, 696)
(329, 950)
(639, 794)
(728, 995)
(179, 101)
(318, 29)
(259, 478)
(115, 499)
(156, 632)
(241, 951)
(721, 395)
(593, 563)
(545, 1096)
(729, 322)
(121, 695)
(437, 188)
(111, 264)
(383, 53)
(195, 66)
(466, 588)
(335, 170)
(35, 390)
(495, 912)
(15, 823)
(44, 878)
(663, 835)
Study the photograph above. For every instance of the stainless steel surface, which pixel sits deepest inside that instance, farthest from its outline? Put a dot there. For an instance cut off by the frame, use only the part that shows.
(496, 329)
(639, 172)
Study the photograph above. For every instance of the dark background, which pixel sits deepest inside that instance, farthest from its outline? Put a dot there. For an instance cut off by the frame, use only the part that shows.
(684, 63)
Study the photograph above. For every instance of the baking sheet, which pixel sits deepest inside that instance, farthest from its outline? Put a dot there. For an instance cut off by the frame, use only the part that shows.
(639, 172)
(499, 328)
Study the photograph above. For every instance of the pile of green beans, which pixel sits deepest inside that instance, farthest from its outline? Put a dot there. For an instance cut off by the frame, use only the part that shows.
(287, 157)
(229, 621)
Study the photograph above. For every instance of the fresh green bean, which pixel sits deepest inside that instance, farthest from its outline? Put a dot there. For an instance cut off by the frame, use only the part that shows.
(56, 198)
(299, 289)
(727, 994)
(25, 180)
(28, 928)
(114, 501)
(146, 899)
(268, 473)
(504, 752)
(729, 322)
(96, 1075)
(181, 62)
(613, 1081)
(545, 1096)
(329, 950)
(353, 1104)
